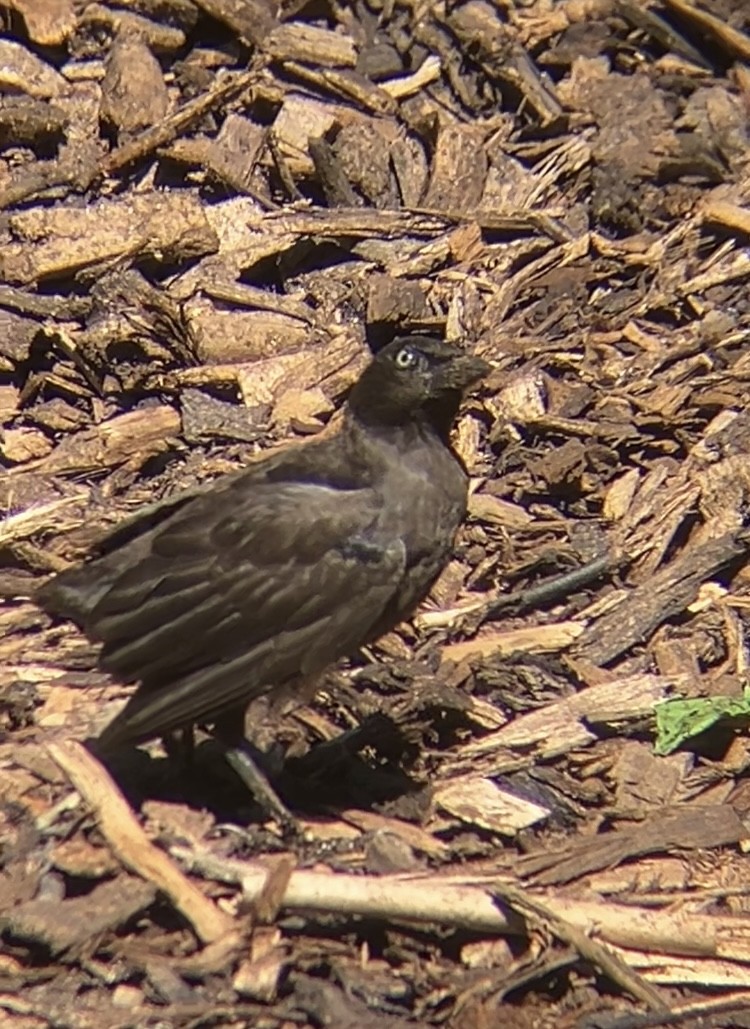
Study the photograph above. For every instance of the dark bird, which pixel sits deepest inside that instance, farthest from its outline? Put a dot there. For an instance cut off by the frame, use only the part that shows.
(271, 574)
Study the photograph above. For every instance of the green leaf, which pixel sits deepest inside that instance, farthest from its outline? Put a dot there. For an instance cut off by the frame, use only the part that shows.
(680, 719)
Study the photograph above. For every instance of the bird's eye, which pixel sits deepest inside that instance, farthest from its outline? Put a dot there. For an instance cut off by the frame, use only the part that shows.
(406, 358)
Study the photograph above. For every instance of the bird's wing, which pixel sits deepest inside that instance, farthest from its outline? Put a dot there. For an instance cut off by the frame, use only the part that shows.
(239, 591)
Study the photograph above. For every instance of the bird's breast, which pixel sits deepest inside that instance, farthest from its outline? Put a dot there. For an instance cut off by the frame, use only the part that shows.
(424, 502)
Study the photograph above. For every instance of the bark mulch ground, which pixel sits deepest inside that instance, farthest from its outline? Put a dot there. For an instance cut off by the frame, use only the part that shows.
(527, 807)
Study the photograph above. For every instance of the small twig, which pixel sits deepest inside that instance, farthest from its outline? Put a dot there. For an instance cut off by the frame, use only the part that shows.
(469, 902)
(130, 844)
(226, 89)
(280, 162)
(336, 186)
(546, 593)
(665, 595)
(531, 907)
(708, 1009)
(69, 802)
(367, 895)
(70, 173)
(660, 30)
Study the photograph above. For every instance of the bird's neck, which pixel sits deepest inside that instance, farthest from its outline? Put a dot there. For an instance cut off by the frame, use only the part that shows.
(434, 420)
(403, 433)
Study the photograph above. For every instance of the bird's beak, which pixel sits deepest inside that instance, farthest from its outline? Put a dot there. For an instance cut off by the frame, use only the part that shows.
(460, 373)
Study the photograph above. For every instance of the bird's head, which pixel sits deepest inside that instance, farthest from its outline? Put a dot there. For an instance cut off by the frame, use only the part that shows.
(415, 378)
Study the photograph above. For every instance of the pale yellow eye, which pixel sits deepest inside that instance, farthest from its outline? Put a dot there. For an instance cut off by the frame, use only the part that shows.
(405, 358)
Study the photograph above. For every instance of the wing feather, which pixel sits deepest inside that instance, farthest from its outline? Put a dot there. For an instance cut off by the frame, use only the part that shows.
(229, 601)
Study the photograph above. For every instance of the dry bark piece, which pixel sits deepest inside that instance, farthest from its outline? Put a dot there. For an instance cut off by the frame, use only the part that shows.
(160, 37)
(459, 170)
(297, 41)
(564, 466)
(413, 836)
(266, 906)
(481, 33)
(240, 141)
(359, 224)
(224, 336)
(241, 295)
(542, 639)
(387, 853)
(645, 781)
(379, 60)
(22, 71)
(80, 859)
(259, 976)
(562, 725)
(364, 151)
(134, 96)
(300, 119)
(136, 435)
(49, 23)
(61, 925)
(33, 123)
(58, 415)
(331, 367)
(619, 495)
(410, 169)
(482, 802)
(17, 334)
(687, 828)
(487, 508)
(169, 227)
(347, 84)
(666, 595)
(251, 20)
(301, 409)
(230, 158)
(206, 418)
(9, 399)
(635, 128)
(220, 92)
(395, 303)
(24, 444)
(337, 188)
(176, 821)
(130, 314)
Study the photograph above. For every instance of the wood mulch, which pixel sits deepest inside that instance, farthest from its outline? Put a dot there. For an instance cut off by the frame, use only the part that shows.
(210, 211)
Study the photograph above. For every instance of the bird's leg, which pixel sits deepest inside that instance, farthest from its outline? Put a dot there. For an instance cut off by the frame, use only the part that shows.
(239, 758)
(244, 759)
(180, 745)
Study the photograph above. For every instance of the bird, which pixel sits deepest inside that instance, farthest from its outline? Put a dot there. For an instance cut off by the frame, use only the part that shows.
(269, 575)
